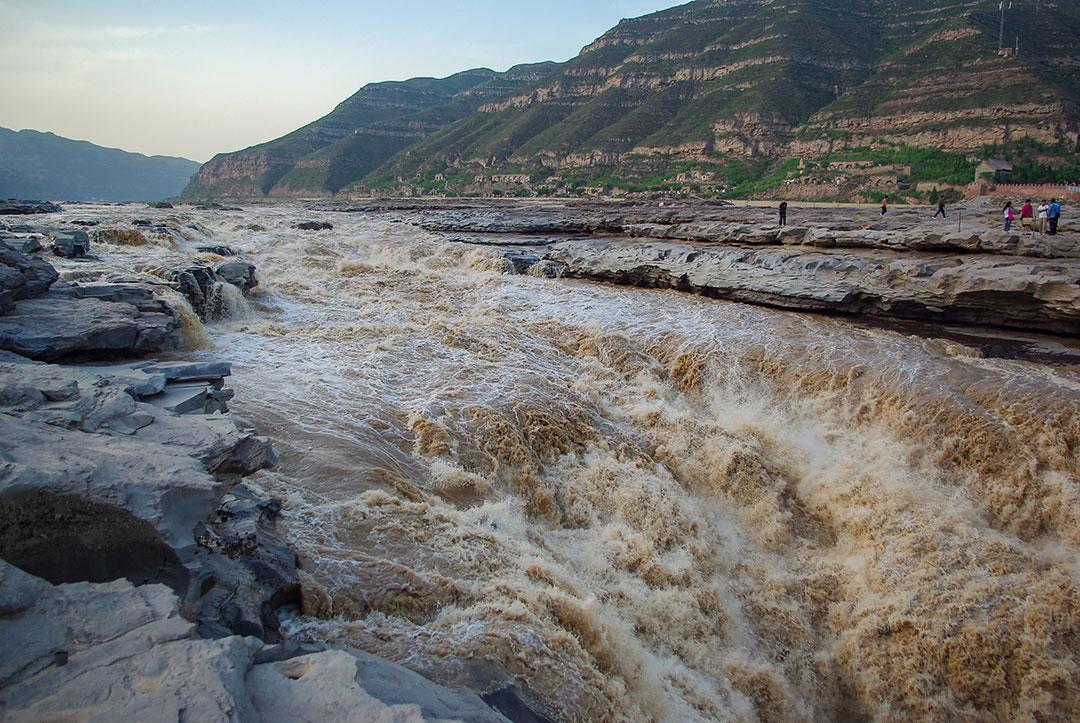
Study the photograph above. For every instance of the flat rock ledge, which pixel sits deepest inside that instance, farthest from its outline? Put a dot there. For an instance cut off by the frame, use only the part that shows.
(1018, 293)
(906, 266)
(15, 207)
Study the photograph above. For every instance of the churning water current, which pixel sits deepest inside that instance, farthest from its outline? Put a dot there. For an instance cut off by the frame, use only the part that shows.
(643, 505)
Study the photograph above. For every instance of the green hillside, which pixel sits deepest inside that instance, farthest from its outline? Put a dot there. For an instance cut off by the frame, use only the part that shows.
(718, 98)
(357, 136)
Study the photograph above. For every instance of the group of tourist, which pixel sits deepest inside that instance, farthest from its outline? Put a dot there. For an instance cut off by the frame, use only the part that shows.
(1043, 219)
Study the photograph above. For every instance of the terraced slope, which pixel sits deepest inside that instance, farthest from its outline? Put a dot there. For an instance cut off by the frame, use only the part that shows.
(357, 136)
(718, 94)
(709, 82)
(941, 82)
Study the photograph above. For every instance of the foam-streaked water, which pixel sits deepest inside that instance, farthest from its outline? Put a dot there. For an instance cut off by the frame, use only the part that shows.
(649, 506)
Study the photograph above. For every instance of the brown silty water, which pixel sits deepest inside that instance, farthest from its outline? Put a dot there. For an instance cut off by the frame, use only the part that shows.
(642, 505)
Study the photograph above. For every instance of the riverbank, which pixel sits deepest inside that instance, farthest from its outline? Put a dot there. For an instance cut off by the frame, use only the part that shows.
(141, 575)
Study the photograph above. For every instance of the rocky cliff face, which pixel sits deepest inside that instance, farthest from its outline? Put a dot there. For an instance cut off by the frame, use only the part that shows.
(357, 136)
(715, 82)
(712, 81)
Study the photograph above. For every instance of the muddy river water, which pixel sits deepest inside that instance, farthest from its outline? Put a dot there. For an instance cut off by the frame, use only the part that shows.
(644, 505)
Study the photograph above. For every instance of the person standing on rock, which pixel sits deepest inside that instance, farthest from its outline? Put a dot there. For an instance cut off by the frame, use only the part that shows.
(1007, 211)
(783, 213)
(1027, 218)
(1044, 209)
(940, 209)
(884, 205)
(1053, 214)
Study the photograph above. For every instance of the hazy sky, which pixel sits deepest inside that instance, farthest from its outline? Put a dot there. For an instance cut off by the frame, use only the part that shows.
(198, 77)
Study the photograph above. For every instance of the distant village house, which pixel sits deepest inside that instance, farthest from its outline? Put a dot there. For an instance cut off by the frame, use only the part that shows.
(992, 169)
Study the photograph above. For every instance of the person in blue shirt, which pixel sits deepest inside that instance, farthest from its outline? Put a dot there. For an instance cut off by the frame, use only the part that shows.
(1053, 214)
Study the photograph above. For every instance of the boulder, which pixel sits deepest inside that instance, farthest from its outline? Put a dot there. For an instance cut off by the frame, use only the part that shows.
(70, 244)
(196, 282)
(521, 261)
(160, 204)
(203, 285)
(217, 249)
(59, 324)
(22, 277)
(314, 226)
(237, 272)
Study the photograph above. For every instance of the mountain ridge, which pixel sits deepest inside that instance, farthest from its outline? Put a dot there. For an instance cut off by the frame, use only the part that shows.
(719, 97)
(42, 164)
(357, 136)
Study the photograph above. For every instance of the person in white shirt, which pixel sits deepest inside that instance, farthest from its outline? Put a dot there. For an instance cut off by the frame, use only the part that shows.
(1044, 214)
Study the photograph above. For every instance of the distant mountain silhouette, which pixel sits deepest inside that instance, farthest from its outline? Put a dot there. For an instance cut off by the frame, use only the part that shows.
(44, 165)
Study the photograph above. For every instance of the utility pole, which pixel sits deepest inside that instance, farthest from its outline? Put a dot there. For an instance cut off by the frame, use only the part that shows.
(1001, 32)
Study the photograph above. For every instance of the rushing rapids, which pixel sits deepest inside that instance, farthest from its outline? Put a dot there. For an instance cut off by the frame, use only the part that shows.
(645, 505)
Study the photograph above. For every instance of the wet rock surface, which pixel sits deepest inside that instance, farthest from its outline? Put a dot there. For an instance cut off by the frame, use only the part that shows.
(315, 226)
(238, 272)
(976, 290)
(202, 284)
(58, 325)
(130, 552)
(117, 651)
(70, 244)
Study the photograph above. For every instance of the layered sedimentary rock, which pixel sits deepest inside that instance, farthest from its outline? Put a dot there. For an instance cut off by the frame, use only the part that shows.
(713, 82)
(705, 82)
(974, 290)
(357, 136)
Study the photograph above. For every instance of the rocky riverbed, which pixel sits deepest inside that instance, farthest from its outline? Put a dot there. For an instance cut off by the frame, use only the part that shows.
(140, 574)
(521, 493)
